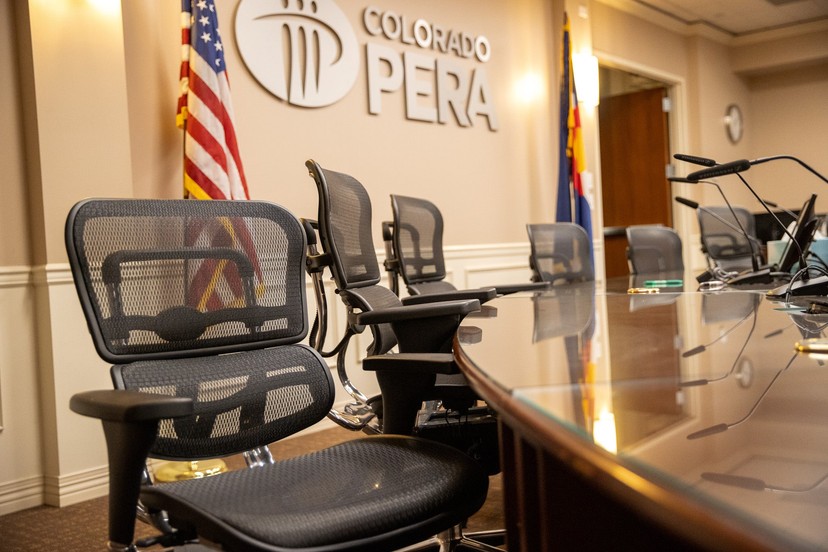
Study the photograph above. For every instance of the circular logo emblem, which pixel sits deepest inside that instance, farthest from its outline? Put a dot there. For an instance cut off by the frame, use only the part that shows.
(302, 51)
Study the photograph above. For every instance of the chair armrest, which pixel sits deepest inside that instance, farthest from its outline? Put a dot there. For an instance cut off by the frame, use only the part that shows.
(428, 363)
(129, 406)
(416, 312)
(130, 422)
(506, 289)
(482, 295)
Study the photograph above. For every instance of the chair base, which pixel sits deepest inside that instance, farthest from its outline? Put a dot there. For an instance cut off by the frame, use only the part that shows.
(455, 540)
(177, 471)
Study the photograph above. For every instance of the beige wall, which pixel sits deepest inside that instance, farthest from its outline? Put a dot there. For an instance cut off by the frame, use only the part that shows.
(12, 158)
(789, 116)
(388, 153)
(779, 83)
(20, 456)
(96, 100)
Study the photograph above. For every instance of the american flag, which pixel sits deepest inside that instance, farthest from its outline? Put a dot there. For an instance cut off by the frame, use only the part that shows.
(212, 165)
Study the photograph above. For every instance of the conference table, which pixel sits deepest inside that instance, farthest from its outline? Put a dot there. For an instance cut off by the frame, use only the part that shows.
(672, 420)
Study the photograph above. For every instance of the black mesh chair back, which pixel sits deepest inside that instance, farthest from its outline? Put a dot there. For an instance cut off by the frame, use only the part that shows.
(169, 285)
(202, 306)
(414, 252)
(345, 229)
(344, 219)
(722, 240)
(418, 241)
(560, 253)
(424, 331)
(654, 249)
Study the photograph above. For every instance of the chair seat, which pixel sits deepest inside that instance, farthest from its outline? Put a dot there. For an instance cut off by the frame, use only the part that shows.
(297, 504)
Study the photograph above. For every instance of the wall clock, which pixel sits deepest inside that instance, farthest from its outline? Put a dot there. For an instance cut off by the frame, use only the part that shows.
(734, 124)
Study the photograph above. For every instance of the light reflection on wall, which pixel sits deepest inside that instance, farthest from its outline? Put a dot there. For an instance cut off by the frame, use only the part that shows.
(585, 68)
(109, 7)
(529, 88)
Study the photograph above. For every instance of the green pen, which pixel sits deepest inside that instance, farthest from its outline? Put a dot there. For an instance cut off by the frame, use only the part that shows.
(664, 283)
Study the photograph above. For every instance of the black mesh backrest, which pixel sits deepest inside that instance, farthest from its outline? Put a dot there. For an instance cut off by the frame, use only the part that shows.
(166, 285)
(720, 232)
(345, 234)
(654, 249)
(163, 279)
(560, 252)
(418, 239)
(345, 228)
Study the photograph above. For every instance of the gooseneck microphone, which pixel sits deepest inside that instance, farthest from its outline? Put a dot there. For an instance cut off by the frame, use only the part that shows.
(736, 167)
(741, 165)
(722, 169)
(703, 161)
(801, 283)
(719, 428)
(740, 229)
(760, 160)
(688, 202)
(777, 206)
(694, 205)
(757, 275)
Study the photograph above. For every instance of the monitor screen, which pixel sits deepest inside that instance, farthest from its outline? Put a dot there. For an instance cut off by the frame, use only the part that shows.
(803, 233)
(768, 229)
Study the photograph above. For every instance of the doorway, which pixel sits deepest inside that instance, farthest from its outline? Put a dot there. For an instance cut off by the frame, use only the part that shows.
(633, 120)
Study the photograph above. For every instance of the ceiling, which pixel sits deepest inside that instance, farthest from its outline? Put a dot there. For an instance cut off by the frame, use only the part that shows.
(740, 17)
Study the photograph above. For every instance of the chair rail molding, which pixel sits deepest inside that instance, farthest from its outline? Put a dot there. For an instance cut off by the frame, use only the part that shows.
(50, 274)
(16, 276)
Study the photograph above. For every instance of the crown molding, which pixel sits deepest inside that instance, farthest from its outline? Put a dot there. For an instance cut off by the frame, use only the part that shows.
(704, 29)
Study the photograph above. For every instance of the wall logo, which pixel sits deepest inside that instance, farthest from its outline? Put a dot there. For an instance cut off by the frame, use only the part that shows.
(305, 53)
(302, 51)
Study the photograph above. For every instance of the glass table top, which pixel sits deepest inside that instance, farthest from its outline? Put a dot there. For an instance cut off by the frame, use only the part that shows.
(703, 392)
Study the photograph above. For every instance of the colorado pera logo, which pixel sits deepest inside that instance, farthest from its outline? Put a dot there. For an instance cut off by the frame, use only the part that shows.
(305, 53)
(302, 51)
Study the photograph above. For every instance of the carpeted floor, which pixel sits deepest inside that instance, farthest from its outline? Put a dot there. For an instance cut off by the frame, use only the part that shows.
(82, 527)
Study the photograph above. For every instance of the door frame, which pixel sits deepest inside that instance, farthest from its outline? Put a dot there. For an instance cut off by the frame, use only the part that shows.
(677, 126)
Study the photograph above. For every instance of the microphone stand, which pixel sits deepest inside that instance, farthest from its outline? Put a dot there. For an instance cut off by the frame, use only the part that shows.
(800, 284)
(777, 206)
(776, 219)
(736, 167)
(760, 160)
(759, 275)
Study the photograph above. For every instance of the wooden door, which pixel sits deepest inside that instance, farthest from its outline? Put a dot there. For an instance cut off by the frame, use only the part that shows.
(634, 157)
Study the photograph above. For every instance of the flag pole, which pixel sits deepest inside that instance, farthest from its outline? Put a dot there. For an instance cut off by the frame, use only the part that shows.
(187, 469)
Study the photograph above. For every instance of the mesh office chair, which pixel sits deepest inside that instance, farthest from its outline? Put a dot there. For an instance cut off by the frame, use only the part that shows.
(723, 243)
(423, 333)
(168, 288)
(654, 249)
(414, 253)
(560, 253)
(422, 391)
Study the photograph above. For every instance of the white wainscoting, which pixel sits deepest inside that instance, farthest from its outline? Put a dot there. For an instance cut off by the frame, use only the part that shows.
(24, 482)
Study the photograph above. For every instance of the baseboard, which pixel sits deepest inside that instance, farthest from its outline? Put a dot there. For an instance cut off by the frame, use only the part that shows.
(21, 494)
(66, 490)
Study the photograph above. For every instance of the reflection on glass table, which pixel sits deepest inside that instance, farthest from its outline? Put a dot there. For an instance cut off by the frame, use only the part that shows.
(701, 394)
